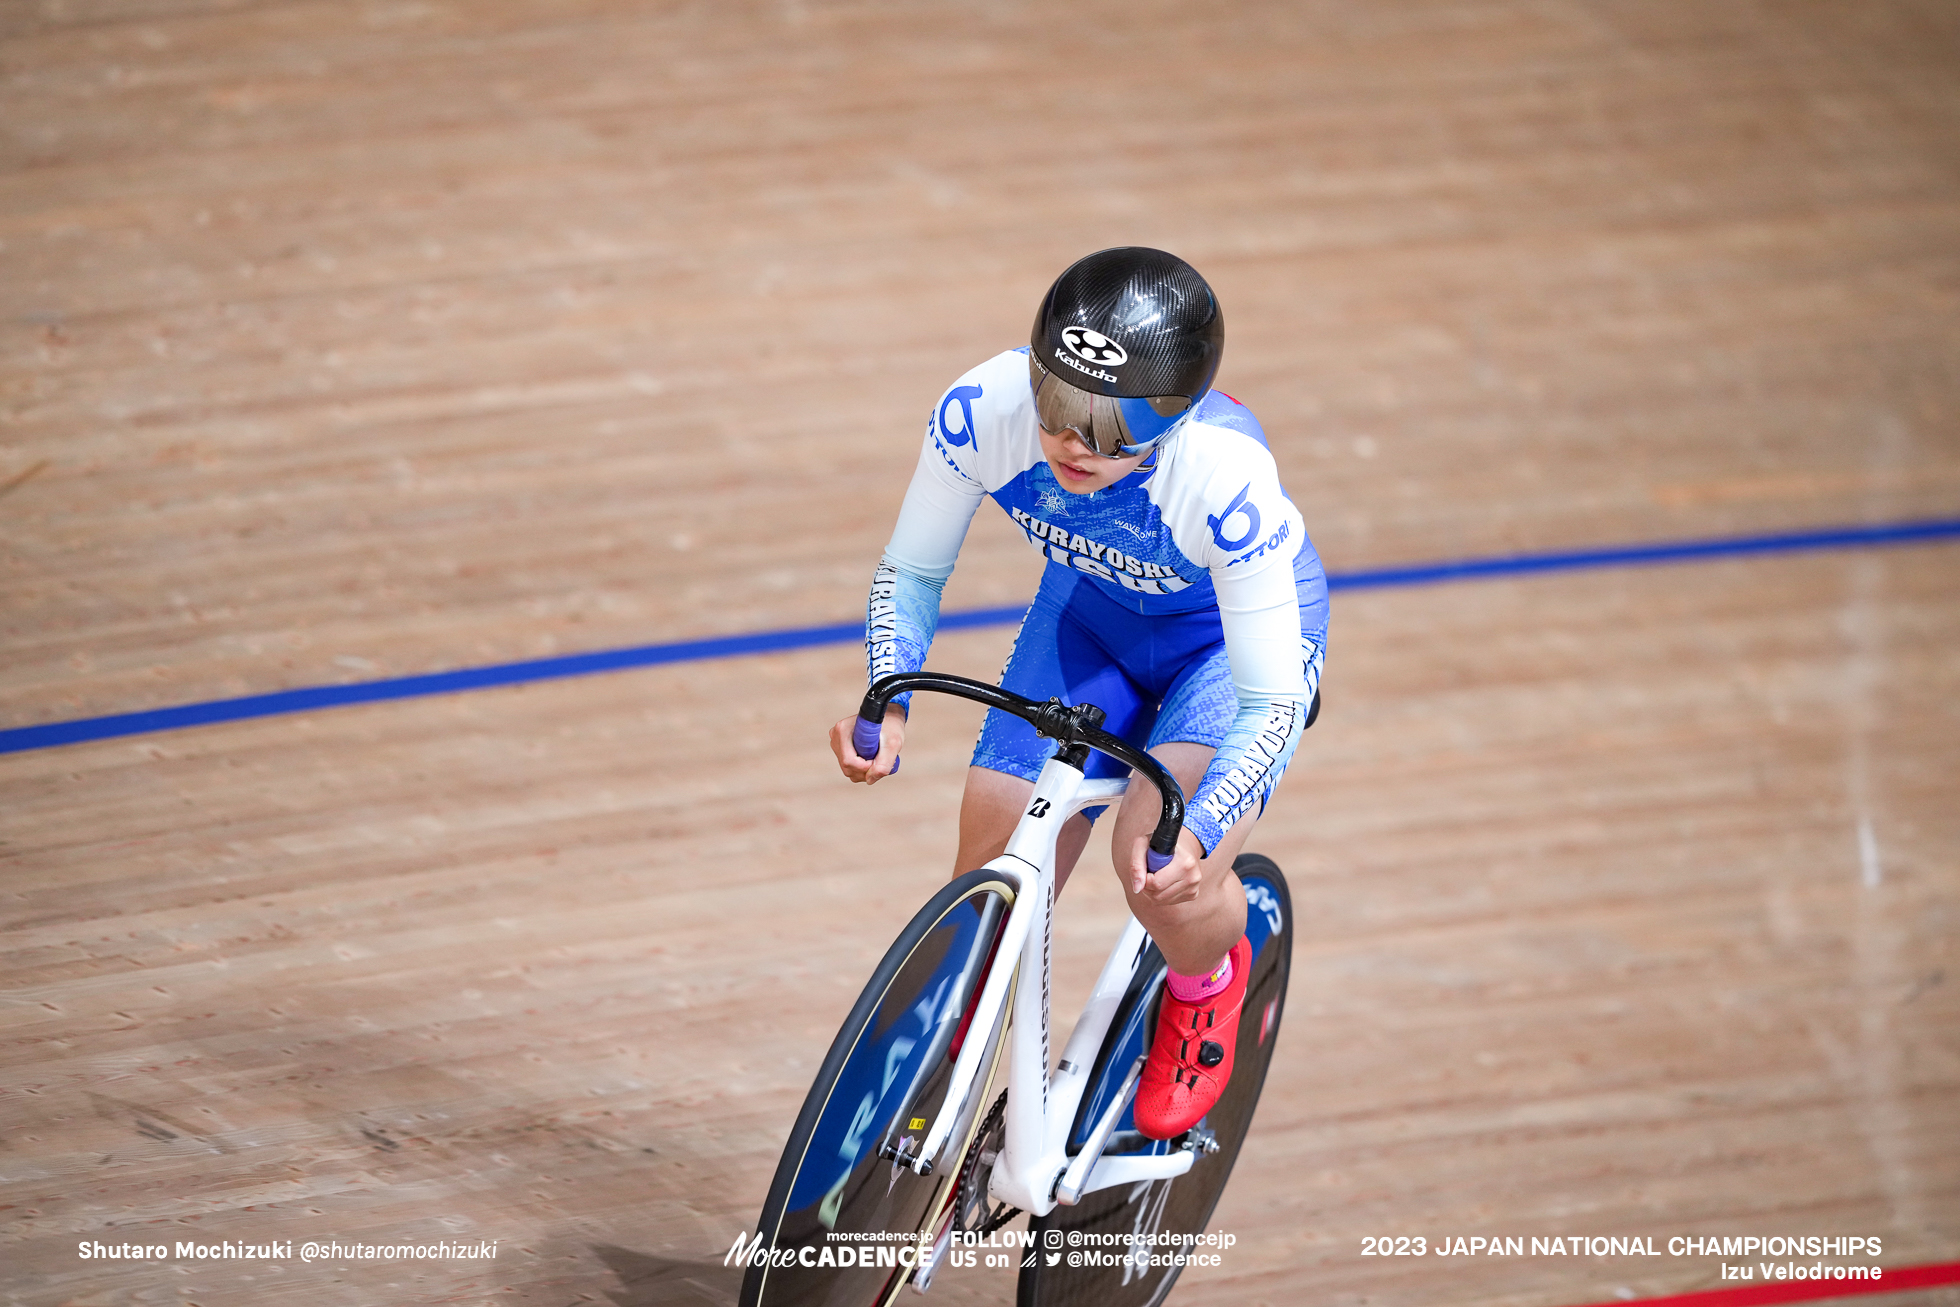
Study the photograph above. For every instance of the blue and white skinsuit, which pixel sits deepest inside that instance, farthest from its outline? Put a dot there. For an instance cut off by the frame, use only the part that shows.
(1185, 600)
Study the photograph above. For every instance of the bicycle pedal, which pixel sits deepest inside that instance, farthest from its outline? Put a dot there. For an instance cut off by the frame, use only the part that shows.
(1200, 1141)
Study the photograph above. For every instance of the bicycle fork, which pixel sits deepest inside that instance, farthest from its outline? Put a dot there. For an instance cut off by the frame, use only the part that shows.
(1034, 1170)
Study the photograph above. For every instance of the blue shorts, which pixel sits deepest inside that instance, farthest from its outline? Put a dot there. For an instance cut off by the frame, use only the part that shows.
(1158, 678)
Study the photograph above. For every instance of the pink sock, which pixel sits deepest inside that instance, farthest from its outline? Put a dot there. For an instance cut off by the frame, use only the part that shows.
(1195, 989)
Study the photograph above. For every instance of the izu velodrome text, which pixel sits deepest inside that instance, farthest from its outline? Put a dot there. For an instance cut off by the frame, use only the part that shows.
(1680, 1245)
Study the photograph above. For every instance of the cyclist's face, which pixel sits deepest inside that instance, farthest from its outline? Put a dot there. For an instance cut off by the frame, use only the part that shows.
(1080, 469)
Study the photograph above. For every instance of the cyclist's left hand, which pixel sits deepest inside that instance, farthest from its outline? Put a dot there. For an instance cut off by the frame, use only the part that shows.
(1176, 883)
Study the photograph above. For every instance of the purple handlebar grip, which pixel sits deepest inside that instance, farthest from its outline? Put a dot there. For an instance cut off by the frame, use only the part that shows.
(1156, 861)
(864, 738)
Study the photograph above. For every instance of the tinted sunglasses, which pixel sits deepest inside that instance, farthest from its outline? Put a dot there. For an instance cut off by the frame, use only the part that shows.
(1112, 427)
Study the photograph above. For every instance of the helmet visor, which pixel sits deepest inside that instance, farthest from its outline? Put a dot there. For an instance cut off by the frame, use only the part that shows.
(1112, 427)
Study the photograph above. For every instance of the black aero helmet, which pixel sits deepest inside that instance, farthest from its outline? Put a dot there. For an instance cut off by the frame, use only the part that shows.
(1125, 343)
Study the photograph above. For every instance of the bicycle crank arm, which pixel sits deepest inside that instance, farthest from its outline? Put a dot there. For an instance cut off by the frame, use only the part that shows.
(922, 1278)
(1129, 1169)
(1068, 1190)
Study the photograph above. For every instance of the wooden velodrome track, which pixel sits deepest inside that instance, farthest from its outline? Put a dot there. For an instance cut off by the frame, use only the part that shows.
(348, 341)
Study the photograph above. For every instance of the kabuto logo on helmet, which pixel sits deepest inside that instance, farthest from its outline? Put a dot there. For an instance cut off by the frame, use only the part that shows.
(1093, 346)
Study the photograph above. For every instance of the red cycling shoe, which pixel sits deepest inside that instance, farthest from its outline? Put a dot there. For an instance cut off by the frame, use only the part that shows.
(1190, 1061)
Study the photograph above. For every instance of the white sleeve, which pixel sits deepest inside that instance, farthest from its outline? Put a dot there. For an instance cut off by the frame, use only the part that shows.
(1245, 531)
(1260, 612)
(932, 523)
(1271, 668)
(902, 613)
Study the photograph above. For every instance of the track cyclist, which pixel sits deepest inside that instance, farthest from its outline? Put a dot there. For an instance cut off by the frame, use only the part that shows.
(1181, 595)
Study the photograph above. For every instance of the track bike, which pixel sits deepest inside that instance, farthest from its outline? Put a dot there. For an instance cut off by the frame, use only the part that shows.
(934, 1119)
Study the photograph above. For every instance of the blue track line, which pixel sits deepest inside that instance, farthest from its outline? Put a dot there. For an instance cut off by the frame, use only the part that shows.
(1678, 551)
(734, 646)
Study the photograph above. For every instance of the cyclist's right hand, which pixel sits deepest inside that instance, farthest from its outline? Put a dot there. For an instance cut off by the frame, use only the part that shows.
(891, 737)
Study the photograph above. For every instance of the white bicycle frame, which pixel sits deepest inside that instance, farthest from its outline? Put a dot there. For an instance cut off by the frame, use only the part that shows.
(1034, 1171)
